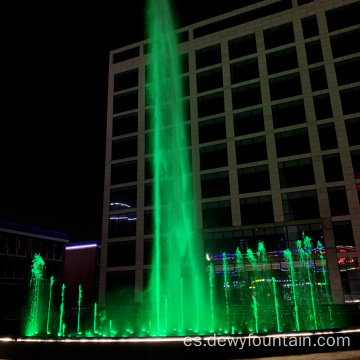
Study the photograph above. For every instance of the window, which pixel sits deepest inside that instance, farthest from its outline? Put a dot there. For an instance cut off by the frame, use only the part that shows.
(246, 95)
(250, 150)
(343, 17)
(215, 184)
(244, 70)
(300, 205)
(212, 130)
(245, 45)
(292, 142)
(347, 71)
(123, 198)
(149, 168)
(282, 60)
(124, 172)
(120, 288)
(121, 253)
(125, 124)
(126, 55)
(350, 100)
(148, 222)
(344, 236)
(126, 80)
(327, 136)
(338, 201)
(211, 104)
(279, 35)
(353, 131)
(183, 36)
(322, 105)
(296, 173)
(253, 179)
(212, 157)
(122, 225)
(185, 86)
(345, 43)
(285, 86)
(303, 2)
(209, 80)
(148, 251)
(355, 159)
(125, 102)
(350, 279)
(310, 27)
(184, 61)
(216, 214)
(124, 148)
(256, 210)
(313, 52)
(208, 56)
(148, 197)
(318, 78)
(249, 122)
(332, 168)
(289, 113)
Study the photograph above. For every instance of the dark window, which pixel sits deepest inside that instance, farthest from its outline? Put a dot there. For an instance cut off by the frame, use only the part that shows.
(344, 236)
(289, 113)
(350, 100)
(148, 168)
(353, 131)
(183, 36)
(148, 222)
(120, 288)
(186, 109)
(185, 86)
(184, 61)
(318, 78)
(208, 56)
(211, 104)
(249, 122)
(253, 179)
(215, 184)
(124, 172)
(122, 225)
(256, 210)
(148, 198)
(332, 168)
(292, 142)
(124, 148)
(244, 70)
(350, 278)
(347, 71)
(125, 102)
(123, 198)
(148, 251)
(279, 35)
(212, 157)
(346, 43)
(121, 253)
(126, 80)
(250, 150)
(303, 2)
(310, 27)
(338, 201)
(209, 80)
(322, 105)
(247, 95)
(125, 124)
(300, 205)
(282, 60)
(216, 214)
(212, 130)
(296, 173)
(343, 17)
(327, 136)
(148, 143)
(126, 55)
(314, 52)
(355, 159)
(285, 86)
(242, 46)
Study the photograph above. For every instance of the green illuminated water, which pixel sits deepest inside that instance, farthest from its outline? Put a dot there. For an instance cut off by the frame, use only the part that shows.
(226, 289)
(95, 315)
(276, 305)
(177, 259)
(49, 306)
(79, 309)
(61, 324)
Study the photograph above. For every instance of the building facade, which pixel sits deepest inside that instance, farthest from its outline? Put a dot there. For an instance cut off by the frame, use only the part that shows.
(271, 97)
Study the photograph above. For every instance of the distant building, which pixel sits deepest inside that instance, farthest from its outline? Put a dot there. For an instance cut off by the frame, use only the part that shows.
(82, 267)
(272, 106)
(18, 244)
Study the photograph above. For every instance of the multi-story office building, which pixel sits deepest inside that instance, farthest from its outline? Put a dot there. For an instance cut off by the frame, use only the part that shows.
(271, 93)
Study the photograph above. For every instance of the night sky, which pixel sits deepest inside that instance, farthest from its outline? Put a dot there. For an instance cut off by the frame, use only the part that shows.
(53, 114)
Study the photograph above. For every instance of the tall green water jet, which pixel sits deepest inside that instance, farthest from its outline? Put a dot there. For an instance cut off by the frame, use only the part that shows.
(289, 259)
(79, 309)
(226, 289)
(211, 287)
(37, 273)
(241, 285)
(252, 260)
(276, 304)
(49, 306)
(177, 246)
(95, 315)
(61, 328)
(255, 309)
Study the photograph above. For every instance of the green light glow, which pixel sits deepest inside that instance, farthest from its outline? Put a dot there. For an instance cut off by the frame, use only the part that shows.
(61, 325)
(49, 307)
(79, 309)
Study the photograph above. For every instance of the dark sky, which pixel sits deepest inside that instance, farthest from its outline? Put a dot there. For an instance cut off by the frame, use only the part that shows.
(53, 113)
